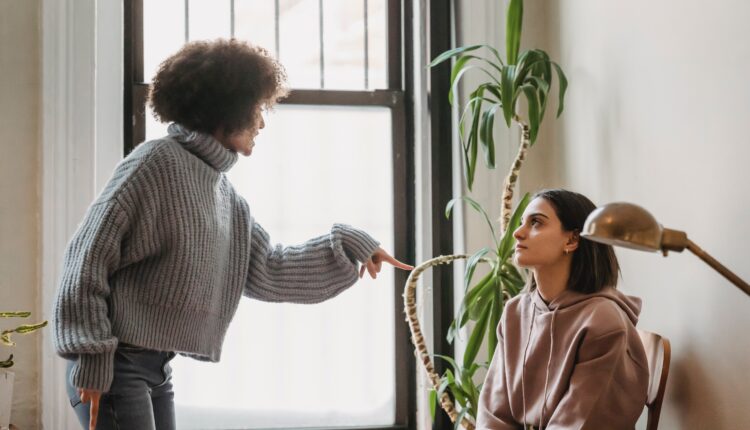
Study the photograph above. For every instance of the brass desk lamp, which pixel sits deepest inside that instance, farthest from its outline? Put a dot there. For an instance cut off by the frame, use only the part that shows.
(631, 226)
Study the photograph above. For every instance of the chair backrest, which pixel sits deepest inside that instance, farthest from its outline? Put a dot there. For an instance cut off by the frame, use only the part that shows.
(658, 353)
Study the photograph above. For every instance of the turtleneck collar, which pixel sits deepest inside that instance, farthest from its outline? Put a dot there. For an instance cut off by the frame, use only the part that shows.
(204, 146)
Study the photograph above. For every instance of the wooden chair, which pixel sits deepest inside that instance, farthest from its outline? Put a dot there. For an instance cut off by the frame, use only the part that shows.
(658, 353)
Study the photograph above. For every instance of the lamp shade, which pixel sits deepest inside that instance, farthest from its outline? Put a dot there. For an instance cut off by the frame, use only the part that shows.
(624, 224)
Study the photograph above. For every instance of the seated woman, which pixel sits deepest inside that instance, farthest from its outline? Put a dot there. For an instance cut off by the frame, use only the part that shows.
(568, 353)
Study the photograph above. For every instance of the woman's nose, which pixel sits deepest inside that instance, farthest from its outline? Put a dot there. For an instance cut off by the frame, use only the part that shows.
(517, 233)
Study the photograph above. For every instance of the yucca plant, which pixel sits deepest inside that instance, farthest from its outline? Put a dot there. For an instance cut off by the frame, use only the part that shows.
(5, 335)
(524, 75)
(483, 303)
(527, 74)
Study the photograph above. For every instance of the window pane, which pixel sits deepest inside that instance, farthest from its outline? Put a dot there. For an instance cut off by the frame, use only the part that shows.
(163, 32)
(377, 35)
(299, 42)
(324, 365)
(347, 61)
(209, 19)
(154, 128)
(255, 22)
(344, 44)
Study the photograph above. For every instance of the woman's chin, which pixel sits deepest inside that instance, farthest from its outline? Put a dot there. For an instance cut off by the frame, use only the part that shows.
(247, 151)
(520, 261)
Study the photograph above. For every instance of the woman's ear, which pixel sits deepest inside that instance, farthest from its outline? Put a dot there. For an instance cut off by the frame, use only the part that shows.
(574, 238)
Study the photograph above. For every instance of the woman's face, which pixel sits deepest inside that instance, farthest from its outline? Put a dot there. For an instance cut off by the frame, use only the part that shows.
(243, 141)
(540, 239)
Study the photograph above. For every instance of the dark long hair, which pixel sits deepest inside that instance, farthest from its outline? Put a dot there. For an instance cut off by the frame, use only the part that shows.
(594, 264)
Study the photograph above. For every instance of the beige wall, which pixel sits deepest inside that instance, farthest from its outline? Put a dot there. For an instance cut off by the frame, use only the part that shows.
(20, 135)
(656, 114)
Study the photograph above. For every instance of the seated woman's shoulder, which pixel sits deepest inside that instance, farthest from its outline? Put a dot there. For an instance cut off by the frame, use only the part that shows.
(519, 301)
(606, 316)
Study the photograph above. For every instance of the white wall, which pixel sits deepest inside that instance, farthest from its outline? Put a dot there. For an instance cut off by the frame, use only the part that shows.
(655, 114)
(19, 194)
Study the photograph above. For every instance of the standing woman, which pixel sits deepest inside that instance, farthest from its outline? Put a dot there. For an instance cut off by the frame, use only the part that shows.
(568, 354)
(164, 254)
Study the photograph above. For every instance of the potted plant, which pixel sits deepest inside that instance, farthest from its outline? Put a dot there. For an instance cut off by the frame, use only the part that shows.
(526, 75)
(6, 376)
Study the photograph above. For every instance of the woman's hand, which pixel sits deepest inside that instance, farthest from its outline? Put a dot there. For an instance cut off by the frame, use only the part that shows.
(92, 396)
(375, 262)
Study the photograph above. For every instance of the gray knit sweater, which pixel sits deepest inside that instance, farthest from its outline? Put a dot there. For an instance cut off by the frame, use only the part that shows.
(164, 254)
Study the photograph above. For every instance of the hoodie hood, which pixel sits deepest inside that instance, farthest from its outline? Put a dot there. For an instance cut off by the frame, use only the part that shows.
(629, 304)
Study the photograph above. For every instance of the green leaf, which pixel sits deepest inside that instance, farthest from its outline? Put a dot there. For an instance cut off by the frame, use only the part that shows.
(563, 87)
(471, 265)
(512, 273)
(433, 403)
(497, 55)
(486, 136)
(453, 364)
(476, 111)
(507, 91)
(477, 335)
(457, 425)
(470, 299)
(7, 363)
(444, 383)
(462, 122)
(452, 331)
(498, 304)
(459, 69)
(460, 395)
(453, 52)
(477, 207)
(513, 29)
(456, 73)
(28, 328)
(525, 65)
(476, 307)
(542, 88)
(471, 296)
(532, 101)
(508, 241)
(15, 314)
(5, 339)
(449, 377)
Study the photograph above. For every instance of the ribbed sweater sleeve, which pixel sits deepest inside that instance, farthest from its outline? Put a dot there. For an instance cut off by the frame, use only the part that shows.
(315, 271)
(82, 327)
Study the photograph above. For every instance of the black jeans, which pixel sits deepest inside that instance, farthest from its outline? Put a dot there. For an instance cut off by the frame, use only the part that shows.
(141, 395)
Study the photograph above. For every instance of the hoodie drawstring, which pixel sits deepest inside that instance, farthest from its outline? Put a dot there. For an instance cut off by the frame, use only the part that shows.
(549, 362)
(523, 369)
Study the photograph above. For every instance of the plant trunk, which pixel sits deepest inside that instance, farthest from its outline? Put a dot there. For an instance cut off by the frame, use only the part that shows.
(515, 168)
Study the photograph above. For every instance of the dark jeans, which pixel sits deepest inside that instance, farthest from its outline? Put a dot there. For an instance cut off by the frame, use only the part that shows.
(141, 396)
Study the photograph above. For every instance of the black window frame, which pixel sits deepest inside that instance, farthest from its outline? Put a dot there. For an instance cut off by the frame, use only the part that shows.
(398, 97)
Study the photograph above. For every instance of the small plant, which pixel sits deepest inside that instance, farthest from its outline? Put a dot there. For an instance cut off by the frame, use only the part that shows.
(22, 329)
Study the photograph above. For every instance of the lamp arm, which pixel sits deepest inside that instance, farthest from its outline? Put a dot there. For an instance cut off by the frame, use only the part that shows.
(703, 255)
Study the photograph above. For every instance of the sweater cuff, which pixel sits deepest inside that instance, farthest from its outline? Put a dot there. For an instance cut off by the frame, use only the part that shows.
(94, 371)
(358, 245)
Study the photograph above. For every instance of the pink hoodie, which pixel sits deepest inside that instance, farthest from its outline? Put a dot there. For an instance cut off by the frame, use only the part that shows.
(581, 353)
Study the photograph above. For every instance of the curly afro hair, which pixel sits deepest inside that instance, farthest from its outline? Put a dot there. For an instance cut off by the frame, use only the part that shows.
(207, 86)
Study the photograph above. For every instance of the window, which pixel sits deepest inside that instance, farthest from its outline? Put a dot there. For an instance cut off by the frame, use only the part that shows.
(336, 150)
